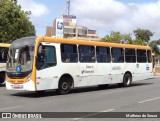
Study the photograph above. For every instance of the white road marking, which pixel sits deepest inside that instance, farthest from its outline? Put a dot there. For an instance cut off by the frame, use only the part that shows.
(149, 100)
(10, 108)
(109, 110)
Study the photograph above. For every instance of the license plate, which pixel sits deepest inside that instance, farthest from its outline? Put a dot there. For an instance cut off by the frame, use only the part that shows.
(17, 86)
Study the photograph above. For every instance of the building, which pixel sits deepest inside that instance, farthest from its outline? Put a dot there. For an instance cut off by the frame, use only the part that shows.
(67, 28)
(79, 32)
(49, 31)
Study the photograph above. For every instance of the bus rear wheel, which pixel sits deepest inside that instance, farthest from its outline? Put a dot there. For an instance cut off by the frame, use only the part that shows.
(127, 80)
(64, 86)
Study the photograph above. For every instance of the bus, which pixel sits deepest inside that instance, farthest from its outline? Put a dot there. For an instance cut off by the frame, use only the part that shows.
(3, 57)
(44, 63)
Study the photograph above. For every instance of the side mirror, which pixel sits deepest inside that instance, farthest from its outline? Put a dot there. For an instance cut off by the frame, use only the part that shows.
(41, 57)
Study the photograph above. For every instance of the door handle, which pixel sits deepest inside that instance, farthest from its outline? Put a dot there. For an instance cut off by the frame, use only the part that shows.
(38, 77)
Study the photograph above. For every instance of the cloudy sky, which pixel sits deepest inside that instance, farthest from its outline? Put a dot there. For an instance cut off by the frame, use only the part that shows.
(102, 15)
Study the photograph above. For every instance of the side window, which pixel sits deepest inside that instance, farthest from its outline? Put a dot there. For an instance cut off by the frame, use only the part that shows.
(46, 57)
(141, 56)
(130, 55)
(86, 53)
(117, 55)
(103, 54)
(3, 56)
(149, 56)
(69, 53)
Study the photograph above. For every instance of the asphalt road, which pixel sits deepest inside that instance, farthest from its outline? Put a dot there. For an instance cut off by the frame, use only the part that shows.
(142, 96)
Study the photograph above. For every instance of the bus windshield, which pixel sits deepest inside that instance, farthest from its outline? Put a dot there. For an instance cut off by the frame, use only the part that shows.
(20, 56)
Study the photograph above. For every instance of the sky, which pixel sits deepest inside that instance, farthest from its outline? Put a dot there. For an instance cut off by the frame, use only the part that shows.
(101, 15)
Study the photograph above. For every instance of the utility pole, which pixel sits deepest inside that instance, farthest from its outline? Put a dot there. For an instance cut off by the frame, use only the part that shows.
(68, 7)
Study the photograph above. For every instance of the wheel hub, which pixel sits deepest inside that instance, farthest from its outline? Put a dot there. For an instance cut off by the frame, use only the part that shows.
(64, 86)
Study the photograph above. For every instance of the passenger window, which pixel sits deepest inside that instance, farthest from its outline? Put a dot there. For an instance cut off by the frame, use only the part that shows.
(46, 57)
(130, 55)
(69, 53)
(103, 54)
(117, 55)
(141, 56)
(86, 53)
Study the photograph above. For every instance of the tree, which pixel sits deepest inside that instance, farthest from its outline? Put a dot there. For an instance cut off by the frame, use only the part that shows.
(158, 42)
(143, 34)
(154, 47)
(127, 38)
(114, 37)
(117, 37)
(138, 41)
(14, 22)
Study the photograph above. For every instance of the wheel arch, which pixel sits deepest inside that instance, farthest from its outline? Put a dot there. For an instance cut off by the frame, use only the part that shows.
(68, 76)
(127, 72)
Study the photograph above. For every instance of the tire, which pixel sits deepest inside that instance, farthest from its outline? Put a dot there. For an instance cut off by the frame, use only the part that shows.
(2, 79)
(127, 80)
(64, 85)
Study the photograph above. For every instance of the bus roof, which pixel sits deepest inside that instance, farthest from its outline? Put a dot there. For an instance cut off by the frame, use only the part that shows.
(4, 45)
(84, 42)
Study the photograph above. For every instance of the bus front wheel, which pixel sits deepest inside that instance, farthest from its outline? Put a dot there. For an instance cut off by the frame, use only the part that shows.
(64, 86)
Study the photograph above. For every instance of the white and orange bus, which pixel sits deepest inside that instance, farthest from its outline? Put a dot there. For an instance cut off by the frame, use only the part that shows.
(3, 57)
(42, 63)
